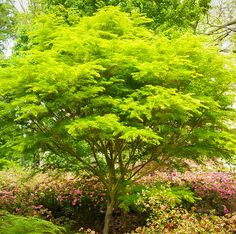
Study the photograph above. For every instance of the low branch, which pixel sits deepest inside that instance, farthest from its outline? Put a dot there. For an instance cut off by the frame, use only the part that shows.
(140, 167)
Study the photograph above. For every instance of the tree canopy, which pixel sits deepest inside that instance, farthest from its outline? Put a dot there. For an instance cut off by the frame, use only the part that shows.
(110, 95)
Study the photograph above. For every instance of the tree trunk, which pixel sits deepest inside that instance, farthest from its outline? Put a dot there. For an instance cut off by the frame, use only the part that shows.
(108, 215)
(123, 219)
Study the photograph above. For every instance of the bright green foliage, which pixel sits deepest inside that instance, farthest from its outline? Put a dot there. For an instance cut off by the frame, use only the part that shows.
(10, 224)
(123, 94)
(163, 195)
(118, 88)
(4, 163)
(152, 197)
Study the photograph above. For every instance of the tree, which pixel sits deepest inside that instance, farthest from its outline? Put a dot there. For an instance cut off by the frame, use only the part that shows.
(166, 14)
(111, 96)
(221, 23)
(7, 23)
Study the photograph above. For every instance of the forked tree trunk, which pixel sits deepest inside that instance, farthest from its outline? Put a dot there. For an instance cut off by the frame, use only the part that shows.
(108, 216)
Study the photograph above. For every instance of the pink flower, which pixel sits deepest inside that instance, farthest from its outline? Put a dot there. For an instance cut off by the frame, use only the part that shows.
(42, 212)
(71, 192)
(79, 192)
(229, 192)
(226, 211)
(74, 201)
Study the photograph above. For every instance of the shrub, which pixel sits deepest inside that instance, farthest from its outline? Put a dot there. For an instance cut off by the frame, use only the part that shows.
(162, 197)
(165, 194)
(10, 224)
(60, 197)
(216, 189)
(179, 220)
(167, 204)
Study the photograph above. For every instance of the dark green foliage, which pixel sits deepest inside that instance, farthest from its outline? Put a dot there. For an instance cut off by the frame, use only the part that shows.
(166, 14)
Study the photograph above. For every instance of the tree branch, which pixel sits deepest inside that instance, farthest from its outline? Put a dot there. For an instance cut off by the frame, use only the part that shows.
(219, 27)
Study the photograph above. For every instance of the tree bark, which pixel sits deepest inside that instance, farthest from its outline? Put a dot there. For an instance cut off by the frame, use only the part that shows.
(108, 215)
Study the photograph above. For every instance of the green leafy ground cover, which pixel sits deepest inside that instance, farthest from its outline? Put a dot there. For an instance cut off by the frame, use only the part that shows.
(12, 224)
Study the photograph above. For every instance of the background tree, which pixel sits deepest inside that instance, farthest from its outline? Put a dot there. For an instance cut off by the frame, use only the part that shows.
(7, 23)
(171, 17)
(166, 14)
(220, 22)
(110, 96)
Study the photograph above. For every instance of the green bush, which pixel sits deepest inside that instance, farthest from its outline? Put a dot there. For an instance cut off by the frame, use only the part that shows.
(158, 195)
(3, 163)
(12, 224)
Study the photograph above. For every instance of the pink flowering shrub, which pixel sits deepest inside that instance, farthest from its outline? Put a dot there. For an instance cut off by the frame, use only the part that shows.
(217, 190)
(7, 199)
(16, 202)
(53, 197)
(168, 212)
(80, 201)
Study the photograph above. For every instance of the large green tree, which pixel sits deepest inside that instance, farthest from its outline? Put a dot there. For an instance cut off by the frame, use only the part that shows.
(109, 95)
